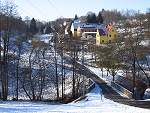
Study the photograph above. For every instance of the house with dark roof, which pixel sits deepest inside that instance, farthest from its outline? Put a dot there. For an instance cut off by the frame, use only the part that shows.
(106, 35)
(102, 34)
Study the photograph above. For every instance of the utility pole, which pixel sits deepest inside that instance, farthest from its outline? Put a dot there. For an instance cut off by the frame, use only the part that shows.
(62, 69)
(134, 71)
(82, 68)
(73, 79)
(57, 86)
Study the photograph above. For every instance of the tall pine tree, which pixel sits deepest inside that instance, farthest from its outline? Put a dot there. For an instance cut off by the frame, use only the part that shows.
(33, 28)
(91, 17)
(100, 18)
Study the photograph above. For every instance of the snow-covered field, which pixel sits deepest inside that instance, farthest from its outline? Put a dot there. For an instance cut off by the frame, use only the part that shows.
(95, 102)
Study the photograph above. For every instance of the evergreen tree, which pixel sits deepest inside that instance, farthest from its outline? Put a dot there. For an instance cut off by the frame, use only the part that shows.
(100, 18)
(33, 28)
(48, 30)
(76, 17)
(91, 18)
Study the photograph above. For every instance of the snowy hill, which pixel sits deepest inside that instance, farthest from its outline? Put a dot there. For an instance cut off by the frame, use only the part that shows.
(95, 102)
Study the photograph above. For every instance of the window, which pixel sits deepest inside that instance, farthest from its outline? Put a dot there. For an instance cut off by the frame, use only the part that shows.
(109, 35)
(102, 41)
(109, 41)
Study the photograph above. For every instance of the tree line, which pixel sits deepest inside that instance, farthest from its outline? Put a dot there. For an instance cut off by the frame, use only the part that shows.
(32, 69)
(129, 53)
(45, 66)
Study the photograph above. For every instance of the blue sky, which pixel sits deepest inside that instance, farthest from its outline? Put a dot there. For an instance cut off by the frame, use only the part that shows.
(52, 9)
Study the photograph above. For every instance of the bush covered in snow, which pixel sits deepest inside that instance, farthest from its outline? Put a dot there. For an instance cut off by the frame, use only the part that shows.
(147, 94)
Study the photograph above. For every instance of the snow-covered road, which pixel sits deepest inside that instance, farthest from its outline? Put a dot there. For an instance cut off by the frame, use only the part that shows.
(95, 102)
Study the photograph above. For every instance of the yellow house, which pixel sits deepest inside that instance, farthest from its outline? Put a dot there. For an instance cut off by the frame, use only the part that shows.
(102, 34)
(106, 35)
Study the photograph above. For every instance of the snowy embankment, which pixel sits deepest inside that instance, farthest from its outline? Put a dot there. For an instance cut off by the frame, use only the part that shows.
(108, 79)
(106, 75)
(95, 102)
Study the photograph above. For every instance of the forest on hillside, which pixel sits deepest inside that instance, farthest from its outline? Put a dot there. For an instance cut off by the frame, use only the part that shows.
(31, 69)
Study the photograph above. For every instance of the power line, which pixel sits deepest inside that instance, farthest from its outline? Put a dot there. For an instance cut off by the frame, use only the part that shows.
(25, 11)
(36, 8)
(50, 2)
(33, 6)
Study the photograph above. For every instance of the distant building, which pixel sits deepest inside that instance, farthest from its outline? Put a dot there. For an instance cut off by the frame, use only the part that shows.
(106, 35)
(102, 34)
(78, 28)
